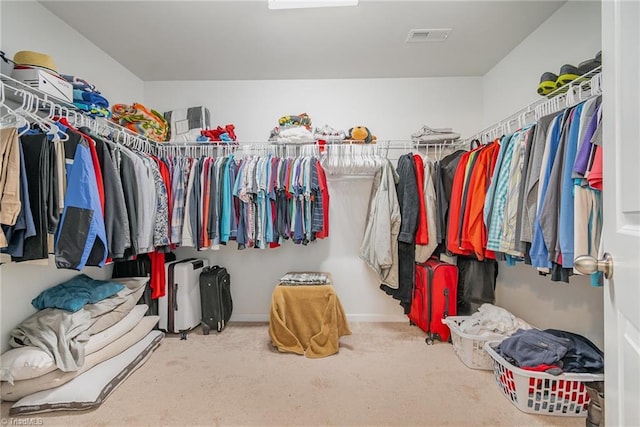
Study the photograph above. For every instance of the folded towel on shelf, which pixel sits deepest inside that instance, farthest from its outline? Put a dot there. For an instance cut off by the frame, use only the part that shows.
(305, 279)
(93, 109)
(329, 134)
(90, 98)
(293, 134)
(80, 84)
(142, 120)
(430, 135)
(301, 119)
(438, 138)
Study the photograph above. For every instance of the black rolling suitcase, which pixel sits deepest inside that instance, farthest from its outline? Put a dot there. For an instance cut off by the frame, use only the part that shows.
(215, 297)
(141, 267)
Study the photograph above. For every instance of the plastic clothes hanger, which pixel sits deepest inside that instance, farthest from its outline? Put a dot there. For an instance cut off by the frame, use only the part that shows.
(11, 118)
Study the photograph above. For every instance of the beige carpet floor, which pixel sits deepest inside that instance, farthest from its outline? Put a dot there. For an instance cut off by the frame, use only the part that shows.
(384, 375)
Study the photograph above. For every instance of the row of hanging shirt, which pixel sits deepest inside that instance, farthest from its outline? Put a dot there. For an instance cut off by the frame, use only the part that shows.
(258, 201)
(85, 198)
(534, 195)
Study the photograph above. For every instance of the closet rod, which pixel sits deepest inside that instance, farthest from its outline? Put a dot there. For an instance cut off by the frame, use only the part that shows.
(559, 99)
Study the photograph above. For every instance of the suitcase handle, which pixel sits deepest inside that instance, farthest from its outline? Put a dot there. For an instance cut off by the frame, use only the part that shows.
(446, 302)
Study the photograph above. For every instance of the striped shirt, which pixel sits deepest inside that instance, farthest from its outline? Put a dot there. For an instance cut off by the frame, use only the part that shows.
(500, 197)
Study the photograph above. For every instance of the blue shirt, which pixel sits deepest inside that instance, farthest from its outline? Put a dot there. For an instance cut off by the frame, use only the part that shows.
(539, 253)
(81, 226)
(225, 216)
(565, 226)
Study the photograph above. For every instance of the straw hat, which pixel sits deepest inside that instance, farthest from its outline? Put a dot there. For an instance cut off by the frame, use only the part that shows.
(36, 60)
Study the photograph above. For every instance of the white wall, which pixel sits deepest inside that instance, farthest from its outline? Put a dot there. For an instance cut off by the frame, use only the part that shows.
(569, 36)
(392, 108)
(27, 25)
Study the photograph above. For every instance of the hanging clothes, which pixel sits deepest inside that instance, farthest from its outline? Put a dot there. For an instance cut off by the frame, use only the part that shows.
(528, 197)
(379, 248)
(81, 239)
(24, 227)
(116, 220)
(445, 172)
(407, 192)
(9, 180)
(40, 167)
(425, 251)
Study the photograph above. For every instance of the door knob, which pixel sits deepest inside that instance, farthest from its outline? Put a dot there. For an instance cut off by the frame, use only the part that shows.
(586, 264)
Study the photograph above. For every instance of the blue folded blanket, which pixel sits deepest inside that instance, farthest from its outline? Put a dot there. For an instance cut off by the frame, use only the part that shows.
(93, 109)
(90, 98)
(75, 293)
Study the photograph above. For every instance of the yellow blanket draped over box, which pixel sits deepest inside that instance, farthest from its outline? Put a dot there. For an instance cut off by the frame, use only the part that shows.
(307, 319)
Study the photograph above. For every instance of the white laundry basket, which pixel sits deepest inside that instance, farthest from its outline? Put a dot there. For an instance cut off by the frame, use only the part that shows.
(469, 347)
(541, 393)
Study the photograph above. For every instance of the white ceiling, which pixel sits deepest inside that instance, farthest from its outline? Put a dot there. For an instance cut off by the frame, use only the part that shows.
(237, 40)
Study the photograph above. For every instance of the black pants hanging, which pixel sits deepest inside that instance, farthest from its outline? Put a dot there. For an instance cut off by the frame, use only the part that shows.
(39, 162)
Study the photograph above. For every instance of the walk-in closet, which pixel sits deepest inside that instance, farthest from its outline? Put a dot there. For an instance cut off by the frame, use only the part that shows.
(282, 212)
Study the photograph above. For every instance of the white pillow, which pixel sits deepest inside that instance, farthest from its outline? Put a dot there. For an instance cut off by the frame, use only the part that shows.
(57, 377)
(90, 389)
(23, 363)
(28, 362)
(112, 333)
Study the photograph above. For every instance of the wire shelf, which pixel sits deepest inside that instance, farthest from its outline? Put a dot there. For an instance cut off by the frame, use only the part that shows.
(586, 86)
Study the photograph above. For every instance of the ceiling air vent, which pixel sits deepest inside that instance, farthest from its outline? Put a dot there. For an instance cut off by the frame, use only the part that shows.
(437, 35)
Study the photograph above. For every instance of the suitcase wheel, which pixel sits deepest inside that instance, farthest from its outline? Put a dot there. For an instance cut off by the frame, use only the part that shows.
(183, 335)
(205, 329)
(411, 323)
(429, 340)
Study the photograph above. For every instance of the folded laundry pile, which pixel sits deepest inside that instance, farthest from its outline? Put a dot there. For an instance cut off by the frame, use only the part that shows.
(87, 98)
(491, 319)
(291, 279)
(141, 120)
(220, 134)
(329, 134)
(552, 351)
(293, 129)
(428, 135)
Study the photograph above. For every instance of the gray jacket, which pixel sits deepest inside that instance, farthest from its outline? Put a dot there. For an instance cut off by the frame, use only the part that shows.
(532, 179)
(379, 247)
(116, 220)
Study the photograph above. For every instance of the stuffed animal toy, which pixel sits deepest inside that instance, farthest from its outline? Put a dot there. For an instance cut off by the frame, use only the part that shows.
(361, 134)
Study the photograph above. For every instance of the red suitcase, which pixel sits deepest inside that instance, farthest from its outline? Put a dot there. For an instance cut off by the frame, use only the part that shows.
(434, 298)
